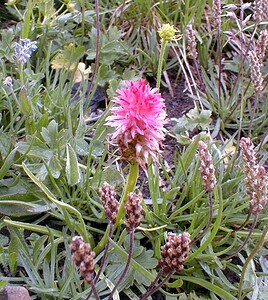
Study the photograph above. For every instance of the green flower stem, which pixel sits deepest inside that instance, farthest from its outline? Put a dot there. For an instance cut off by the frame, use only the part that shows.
(258, 246)
(160, 65)
(21, 74)
(130, 185)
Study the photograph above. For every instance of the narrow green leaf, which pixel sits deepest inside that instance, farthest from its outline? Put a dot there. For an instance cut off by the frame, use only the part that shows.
(13, 208)
(72, 169)
(33, 227)
(209, 286)
(61, 205)
(25, 104)
(13, 254)
(9, 161)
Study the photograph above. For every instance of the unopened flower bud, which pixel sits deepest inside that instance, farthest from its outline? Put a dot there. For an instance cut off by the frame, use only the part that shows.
(175, 252)
(133, 209)
(256, 180)
(110, 203)
(206, 167)
(8, 82)
(71, 7)
(83, 257)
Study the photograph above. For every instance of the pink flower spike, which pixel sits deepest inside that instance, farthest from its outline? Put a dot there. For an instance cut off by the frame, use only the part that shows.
(139, 121)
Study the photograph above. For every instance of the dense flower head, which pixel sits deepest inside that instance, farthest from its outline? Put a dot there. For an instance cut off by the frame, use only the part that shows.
(83, 257)
(206, 167)
(139, 121)
(175, 252)
(191, 41)
(167, 32)
(133, 209)
(256, 179)
(24, 49)
(110, 203)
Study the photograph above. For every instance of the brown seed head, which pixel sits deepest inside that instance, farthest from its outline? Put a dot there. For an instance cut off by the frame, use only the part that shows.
(175, 252)
(110, 203)
(206, 167)
(133, 209)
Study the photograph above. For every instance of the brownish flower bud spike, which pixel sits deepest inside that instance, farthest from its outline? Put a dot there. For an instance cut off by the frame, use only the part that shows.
(216, 12)
(262, 45)
(206, 167)
(175, 252)
(133, 209)
(255, 71)
(256, 180)
(83, 257)
(260, 10)
(260, 195)
(110, 203)
(191, 47)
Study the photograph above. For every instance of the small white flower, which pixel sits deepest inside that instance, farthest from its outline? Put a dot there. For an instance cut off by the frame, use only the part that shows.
(24, 49)
(8, 82)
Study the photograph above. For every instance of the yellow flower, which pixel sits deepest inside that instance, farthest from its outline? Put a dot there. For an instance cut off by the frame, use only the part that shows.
(167, 32)
(11, 2)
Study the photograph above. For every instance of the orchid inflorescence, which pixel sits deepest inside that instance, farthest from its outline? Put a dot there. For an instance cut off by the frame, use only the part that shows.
(139, 121)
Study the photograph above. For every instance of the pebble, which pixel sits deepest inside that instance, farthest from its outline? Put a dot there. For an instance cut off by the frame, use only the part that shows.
(14, 293)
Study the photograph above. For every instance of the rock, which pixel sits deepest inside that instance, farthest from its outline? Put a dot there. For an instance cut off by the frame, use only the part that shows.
(14, 293)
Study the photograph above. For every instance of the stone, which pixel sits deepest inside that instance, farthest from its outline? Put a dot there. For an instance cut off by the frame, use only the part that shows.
(14, 293)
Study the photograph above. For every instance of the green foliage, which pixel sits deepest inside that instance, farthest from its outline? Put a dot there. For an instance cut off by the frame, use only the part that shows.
(193, 120)
(55, 151)
(143, 258)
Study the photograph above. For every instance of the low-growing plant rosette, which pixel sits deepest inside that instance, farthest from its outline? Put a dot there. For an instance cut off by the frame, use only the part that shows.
(139, 121)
